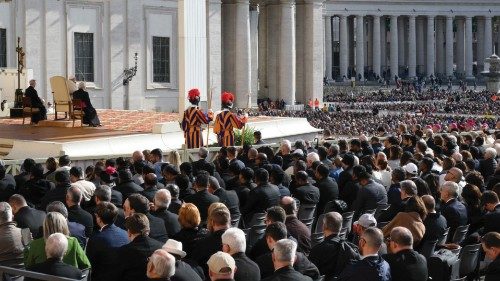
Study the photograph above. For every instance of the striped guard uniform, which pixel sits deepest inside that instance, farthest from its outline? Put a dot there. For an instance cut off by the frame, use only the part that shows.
(191, 125)
(225, 122)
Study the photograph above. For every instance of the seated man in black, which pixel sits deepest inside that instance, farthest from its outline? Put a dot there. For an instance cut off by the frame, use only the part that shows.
(36, 102)
(56, 246)
(491, 247)
(405, 263)
(90, 114)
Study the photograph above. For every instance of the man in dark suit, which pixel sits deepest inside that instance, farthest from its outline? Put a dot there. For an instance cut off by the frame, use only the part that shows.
(228, 197)
(220, 220)
(370, 195)
(371, 267)
(25, 216)
(59, 192)
(126, 184)
(56, 246)
(283, 259)
(137, 203)
(453, 210)
(202, 198)
(265, 195)
(435, 223)
(407, 189)
(202, 163)
(333, 254)
(234, 243)
(36, 102)
(37, 186)
(305, 192)
(7, 186)
(76, 213)
(103, 194)
(132, 258)
(328, 188)
(161, 202)
(150, 186)
(275, 232)
(491, 220)
(24, 176)
(405, 263)
(294, 226)
(101, 247)
(491, 247)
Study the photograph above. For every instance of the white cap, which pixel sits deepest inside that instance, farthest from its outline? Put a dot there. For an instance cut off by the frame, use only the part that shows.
(411, 168)
(220, 262)
(366, 220)
(174, 247)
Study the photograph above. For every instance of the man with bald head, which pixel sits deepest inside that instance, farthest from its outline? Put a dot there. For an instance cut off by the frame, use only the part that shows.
(455, 175)
(36, 102)
(76, 214)
(150, 186)
(435, 223)
(161, 203)
(294, 226)
(333, 254)
(405, 263)
(371, 267)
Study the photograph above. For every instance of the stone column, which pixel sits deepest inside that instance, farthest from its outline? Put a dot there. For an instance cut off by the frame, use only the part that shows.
(460, 55)
(440, 57)
(192, 30)
(214, 47)
(420, 45)
(376, 45)
(383, 45)
(344, 51)
(328, 48)
(254, 52)
(237, 56)
(431, 55)
(412, 48)
(480, 56)
(351, 33)
(449, 46)
(360, 44)
(488, 35)
(263, 86)
(310, 65)
(468, 47)
(394, 47)
(287, 63)
(401, 41)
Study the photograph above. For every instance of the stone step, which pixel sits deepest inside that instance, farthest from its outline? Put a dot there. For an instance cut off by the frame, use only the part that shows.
(58, 123)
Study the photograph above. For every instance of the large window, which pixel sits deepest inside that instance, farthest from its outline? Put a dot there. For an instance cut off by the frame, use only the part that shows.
(161, 59)
(84, 56)
(3, 47)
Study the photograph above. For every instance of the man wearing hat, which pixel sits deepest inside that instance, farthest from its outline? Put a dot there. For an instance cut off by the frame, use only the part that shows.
(226, 121)
(221, 266)
(183, 271)
(192, 120)
(411, 170)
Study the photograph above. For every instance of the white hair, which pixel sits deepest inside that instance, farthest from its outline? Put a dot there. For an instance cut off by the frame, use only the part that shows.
(164, 263)
(162, 198)
(235, 239)
(81, 85)
(56, 245)
(312, 157)
(285, 250)
(490, 153)
(287, 144)
(5, 212)
(451, 187)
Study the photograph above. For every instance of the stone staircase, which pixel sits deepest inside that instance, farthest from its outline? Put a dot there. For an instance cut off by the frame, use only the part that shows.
(5, 147)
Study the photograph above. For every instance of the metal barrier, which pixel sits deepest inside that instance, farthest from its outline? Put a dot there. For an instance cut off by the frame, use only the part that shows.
(20, 274)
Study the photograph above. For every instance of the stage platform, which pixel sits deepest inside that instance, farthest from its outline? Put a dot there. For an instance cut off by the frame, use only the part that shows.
(122, 133)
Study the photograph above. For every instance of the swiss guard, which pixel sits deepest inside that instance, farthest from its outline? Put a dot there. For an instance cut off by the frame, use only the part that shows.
(192, 120)
(226, 121)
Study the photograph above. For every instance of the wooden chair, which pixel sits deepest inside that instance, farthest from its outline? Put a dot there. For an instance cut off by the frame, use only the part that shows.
(62, 98)
(28, 111)
(77, 112)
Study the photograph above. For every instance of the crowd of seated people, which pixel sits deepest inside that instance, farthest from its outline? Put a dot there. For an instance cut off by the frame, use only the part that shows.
(352, 210)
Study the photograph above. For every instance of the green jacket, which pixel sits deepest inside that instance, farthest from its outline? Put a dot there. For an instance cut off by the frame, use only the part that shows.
(75, 256)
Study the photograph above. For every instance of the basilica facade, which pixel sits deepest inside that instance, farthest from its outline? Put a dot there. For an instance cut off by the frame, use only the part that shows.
(282, 49)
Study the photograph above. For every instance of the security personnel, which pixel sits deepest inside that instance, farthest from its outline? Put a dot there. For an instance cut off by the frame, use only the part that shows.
(226, 121)
(192, 120)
